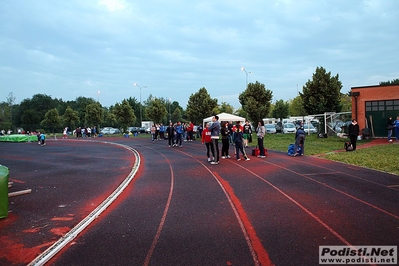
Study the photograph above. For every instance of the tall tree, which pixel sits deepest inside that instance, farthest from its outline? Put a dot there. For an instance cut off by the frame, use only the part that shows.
(124, 115)
(156, 110)
(80, 107)
(226, 108)
(70, 118)
(322, 93)
(200, 105)
(296, 107)
(40, 104)
(135, 104)
(10, 102)
(256, 101)
(346, 102)
(94, 114)
(5, 116)
(281, 109)
(30, 120)
(177, 115)
(52, 120)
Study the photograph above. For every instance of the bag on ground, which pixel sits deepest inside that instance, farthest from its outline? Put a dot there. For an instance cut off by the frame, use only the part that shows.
(291, 149)
(256, 151)
(348, 146)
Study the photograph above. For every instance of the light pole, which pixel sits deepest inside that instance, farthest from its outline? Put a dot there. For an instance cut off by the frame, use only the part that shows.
(246, 75)
(98, 96)
(141, 114)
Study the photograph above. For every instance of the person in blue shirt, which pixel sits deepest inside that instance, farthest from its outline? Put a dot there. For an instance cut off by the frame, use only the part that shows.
(299, 141)
(396, 125)
(42, 139)
(179, 134)
(162, 129)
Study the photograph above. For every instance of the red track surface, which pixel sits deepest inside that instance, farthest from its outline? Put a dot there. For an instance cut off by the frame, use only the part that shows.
(180, 210)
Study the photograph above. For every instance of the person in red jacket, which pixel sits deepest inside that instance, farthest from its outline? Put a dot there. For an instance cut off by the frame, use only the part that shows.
(190, 131)
(206, 138)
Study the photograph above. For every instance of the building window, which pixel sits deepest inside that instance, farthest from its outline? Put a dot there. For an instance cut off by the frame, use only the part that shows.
(388, 105)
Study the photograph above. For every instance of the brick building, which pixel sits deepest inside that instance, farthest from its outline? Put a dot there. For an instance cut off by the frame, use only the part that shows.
(372, 105)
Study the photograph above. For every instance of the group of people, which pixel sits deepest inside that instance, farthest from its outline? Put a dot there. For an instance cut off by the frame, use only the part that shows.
(237, 134)
(186, 130)
(83, 132)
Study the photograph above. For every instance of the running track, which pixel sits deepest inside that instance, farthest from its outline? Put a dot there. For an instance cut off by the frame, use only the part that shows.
(180, 210)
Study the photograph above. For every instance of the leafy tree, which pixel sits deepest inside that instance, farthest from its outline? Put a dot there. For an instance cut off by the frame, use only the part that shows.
(10, 101)
(94, 114)
(296, 107)
(226, 108)
(109, 119)
(124, 115)
(281, 110)
(322, 93)
(200, 105)
(177, 115)
(52, 120)
(156, 110)
(39, 104)
(135, 104)
(80, 106)
(256, 100)
(346, 102)
(241, 112)
(70, 118)
(5, 116)
(394, 81)
(30, 120)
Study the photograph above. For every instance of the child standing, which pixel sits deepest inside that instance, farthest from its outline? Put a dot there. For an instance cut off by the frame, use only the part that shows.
(238, 141)
(42, 139)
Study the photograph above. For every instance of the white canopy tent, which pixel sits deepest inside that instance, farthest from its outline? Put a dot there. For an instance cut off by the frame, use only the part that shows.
(225, 117)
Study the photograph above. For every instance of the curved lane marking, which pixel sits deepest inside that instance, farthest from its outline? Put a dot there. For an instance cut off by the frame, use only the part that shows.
(161, 224)
(69, 236)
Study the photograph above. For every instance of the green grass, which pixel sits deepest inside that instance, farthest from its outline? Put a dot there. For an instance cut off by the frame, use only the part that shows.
(383, 157)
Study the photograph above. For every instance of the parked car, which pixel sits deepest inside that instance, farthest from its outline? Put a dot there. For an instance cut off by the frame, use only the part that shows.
(133, 130)
(289, 128)
(309, 128)
(114, 131)
(105, 130)
(279, 127)
(270, 128)
(109, 130)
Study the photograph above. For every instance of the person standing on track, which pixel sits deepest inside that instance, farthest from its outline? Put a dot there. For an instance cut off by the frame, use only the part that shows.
(206, 138)
(215, 131)
(260, 133)
(247, 132)
(238, 141)
(170, 130)
(353, 131)
(179, 134)
(225, 140)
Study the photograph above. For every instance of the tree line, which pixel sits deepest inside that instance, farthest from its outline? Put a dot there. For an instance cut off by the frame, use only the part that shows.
(320, 94)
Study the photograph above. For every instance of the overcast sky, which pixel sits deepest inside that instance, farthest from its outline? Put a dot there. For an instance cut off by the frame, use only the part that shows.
(171, 49)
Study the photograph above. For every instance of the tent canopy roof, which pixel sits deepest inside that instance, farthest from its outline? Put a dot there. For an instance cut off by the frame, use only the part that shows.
(225, 117)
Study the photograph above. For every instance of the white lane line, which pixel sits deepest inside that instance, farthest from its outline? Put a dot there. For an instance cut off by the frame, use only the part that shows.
(68, 237)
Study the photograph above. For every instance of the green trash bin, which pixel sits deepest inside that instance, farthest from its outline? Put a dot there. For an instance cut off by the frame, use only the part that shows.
(4, 172)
